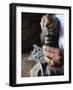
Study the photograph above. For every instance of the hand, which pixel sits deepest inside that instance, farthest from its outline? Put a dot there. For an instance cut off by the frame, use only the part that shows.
(43, 22)
(53, 56)
(46, 20)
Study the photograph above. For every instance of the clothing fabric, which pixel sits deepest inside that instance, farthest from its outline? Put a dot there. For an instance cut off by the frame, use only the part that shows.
(61, 37)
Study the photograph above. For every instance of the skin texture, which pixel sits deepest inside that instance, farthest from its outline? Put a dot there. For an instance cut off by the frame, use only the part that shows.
(53, 56)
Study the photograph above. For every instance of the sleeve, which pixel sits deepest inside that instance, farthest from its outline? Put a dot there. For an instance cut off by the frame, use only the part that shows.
(61, 36)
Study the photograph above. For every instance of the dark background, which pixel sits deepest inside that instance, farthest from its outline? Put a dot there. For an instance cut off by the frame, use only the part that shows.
(30, 30)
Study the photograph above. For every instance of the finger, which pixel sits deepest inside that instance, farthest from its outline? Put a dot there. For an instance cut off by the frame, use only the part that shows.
(52, 56)
(47, 59)
(52, 63)
(51, 49)
(43, 19)
(49, 54)
(42, 22)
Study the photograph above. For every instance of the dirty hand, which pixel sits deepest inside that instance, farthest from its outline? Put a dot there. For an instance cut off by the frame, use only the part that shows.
(53, 56)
